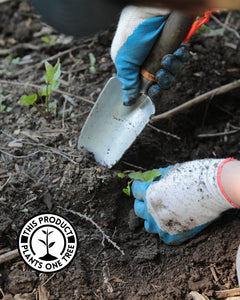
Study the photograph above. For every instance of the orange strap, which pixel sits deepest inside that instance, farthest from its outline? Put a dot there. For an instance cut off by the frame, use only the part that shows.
(196, 25)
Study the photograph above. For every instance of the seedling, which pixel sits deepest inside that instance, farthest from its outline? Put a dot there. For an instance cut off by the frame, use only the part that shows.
(92, 59)
(144, 177)
(50, 40)
(3, 107)
(41, 99)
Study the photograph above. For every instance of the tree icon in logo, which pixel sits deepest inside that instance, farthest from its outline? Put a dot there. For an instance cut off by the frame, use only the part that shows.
(48, 245)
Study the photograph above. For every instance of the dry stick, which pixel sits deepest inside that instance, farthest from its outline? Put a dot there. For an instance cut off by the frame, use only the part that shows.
(164, 132)
(96, 225)
(38, 86)
(47, 59)
(9, 256)
(218, 91)
(226, 27)
(210, 135)
(19, 46)
(228, 293)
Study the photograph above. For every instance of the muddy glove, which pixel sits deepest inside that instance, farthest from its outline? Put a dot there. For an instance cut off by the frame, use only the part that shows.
(137, 31)
(186, 199)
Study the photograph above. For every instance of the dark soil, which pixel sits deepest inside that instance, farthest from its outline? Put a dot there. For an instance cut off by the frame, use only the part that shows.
(41, 169)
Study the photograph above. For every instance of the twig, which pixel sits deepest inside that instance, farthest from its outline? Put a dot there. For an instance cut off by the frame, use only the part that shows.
(209, 135)
(96, 225)
(218, 91)
(2, 292)
(9, 256)
(19, 46)
(134, 166)
(225, 26)
(7, 181)
(49, 279)
(38, 65)
(20, 156)
(38, 86)
(214, 273)
(164, 132)
(228, 293)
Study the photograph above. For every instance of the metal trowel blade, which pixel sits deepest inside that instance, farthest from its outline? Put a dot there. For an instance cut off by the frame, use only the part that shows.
(111, 127)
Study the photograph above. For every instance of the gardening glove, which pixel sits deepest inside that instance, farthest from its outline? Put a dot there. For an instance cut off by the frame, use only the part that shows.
(186, 199)
(137, 31)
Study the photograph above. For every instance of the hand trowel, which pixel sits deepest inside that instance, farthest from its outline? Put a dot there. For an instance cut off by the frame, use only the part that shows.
(111, 127)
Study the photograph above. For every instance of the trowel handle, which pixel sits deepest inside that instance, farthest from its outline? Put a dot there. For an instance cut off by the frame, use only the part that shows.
(174, 31)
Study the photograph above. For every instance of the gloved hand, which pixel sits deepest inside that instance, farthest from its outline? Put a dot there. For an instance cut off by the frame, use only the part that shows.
(137, 31)
(186, 199)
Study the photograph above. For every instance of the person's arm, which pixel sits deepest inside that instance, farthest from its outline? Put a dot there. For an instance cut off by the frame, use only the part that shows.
(187, 197)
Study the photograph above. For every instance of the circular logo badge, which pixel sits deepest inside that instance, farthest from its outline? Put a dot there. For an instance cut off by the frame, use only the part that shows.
(47, 243)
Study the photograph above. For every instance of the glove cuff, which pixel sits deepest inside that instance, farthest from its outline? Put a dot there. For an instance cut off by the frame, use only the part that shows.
(220, 183)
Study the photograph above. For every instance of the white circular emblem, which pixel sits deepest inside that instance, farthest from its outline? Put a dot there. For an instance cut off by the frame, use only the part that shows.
(47, 243)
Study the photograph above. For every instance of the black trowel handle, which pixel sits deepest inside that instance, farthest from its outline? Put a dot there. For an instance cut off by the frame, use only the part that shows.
(174, 31)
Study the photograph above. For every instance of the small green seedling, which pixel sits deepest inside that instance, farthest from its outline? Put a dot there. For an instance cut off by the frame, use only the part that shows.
(144, 177)
(4, 108)
(41, 99)
(92, 59)
(50, 40)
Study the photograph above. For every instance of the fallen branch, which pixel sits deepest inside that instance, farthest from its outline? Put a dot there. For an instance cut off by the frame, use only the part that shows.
(218, 91)
(9, 256)
(96, 225)
(228, 293)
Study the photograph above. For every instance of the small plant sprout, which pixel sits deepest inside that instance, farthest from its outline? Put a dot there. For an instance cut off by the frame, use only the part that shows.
(41, 99)
(50, 40)
(3, 106)
(144, 177)
(92, 59)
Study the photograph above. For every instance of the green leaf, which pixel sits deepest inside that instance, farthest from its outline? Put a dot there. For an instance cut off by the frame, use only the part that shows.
(92, 59)
(48, 77)
(150, 175)
(57, 72)
(92, 70)
(2, 107)
(55, 86)
(27, 100)
(136, 176)
(127, 190)
(121, 175)
(45, 39)
(46, 90)
(9, 109)
(53, 40)
(16, 61)
(52, 106)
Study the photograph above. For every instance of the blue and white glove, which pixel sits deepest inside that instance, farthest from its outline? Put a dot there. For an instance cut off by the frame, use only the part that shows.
(137, 31)
(186, 199)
